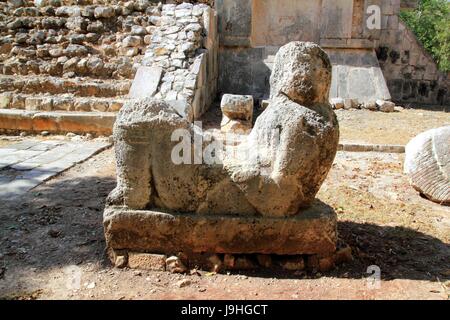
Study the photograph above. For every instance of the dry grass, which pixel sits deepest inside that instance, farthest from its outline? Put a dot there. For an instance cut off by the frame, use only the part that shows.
(388, 128)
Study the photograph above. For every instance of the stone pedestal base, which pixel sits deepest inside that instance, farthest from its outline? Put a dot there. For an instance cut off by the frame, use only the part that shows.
(313, 231)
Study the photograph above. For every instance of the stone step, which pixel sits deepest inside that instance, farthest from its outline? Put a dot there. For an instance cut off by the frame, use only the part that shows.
(114, 17)
(67, 8)
(18, 24)
(115, 64)
(82, 87)
(107, 56)
(367, 147)
(32, 102)
(75, 40)
(96, 123)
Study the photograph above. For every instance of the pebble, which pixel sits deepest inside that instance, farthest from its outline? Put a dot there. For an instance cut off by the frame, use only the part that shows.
(54, 233)
(183, 283)
(175, 265)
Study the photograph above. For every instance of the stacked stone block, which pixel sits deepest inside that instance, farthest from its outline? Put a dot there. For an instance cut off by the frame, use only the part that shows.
(251, 32)
(411, 73)
(59, 38)
(183, 57)
(72, 55)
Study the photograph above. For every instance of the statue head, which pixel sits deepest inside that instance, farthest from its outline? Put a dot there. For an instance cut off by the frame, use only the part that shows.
(302, 73)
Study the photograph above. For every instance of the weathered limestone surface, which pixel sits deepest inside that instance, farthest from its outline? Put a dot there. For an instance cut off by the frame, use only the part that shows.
(82, 56)
(427, 163)
(237, 113)
(64, 56)
(275, 181)
(184, 46)
(146, 82)
(410, 71)
(100, 123)
(385, 106)
(275, 23)
(311, 232)
(369, 62)
(237, 107)
(233, 205)
(357, 75)
(146, 261)
(285, 177)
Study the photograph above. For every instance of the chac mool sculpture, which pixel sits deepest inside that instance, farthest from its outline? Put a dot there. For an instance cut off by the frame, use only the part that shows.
(262, 204)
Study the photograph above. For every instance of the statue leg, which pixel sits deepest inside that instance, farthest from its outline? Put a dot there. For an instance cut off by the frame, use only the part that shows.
(132, 149)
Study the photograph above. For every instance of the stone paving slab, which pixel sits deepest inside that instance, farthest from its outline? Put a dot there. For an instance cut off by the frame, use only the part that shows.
(16, 157)
(27, 164)
(23, 145)
(5, 152)
(24, 183)
(50, 156)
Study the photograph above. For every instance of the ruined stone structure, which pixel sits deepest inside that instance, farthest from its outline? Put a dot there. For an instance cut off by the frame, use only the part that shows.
(264, 203)
(368, 64)
(180, 64)
(410, 72)
(427, 163)
(69, 65)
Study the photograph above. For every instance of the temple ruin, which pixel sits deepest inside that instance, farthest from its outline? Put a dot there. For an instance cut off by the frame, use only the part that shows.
(68, 66)
(369, 63)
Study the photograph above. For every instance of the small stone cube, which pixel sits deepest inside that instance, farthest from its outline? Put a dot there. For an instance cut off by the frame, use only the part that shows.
(237, 107)
(146, 261)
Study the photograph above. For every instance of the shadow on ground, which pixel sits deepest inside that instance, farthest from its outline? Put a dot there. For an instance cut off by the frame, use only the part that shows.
(60, 224)
(56, 224)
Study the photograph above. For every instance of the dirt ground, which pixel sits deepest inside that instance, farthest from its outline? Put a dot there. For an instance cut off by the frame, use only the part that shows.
(365, 126)
(53, 237)
(388, 128)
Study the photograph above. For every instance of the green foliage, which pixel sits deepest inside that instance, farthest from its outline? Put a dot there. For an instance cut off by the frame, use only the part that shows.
(430, 22)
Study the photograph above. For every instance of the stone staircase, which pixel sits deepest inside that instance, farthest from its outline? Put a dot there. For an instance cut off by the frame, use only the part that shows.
(70, 59)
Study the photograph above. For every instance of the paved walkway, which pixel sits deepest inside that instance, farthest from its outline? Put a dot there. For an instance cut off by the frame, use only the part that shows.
(26, 164)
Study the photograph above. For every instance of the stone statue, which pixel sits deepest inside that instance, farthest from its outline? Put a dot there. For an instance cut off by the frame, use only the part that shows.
(427, 164)
(276, 182)
(171, 197)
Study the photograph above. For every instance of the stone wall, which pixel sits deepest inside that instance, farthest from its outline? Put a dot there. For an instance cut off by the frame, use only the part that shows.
(72, 55)
(367, 63)
(357, 74)
(59, 38)
(180, 64)
(83, 55)
(251, 31)
(412, 74)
